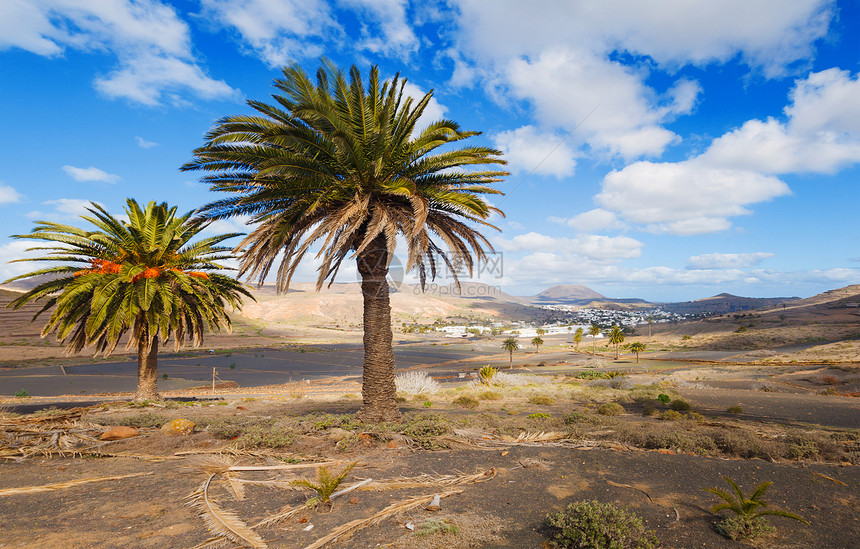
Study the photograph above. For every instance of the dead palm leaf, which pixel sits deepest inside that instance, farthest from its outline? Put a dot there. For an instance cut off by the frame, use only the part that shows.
(62, 485)
(223, 523)
(351, 527)
(426, 480)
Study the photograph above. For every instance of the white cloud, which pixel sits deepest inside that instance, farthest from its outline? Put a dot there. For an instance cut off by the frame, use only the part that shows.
(9, 194)
(385, 30)
(529, 151)
(90, 174)
(617, 112)
(17, 249)
(592, 247)
(561, 58)
(64, 210)
(821, 134)
(151, 43)
(727, 261)
(278, 31)
(144, 144)
(597, 219)
(684, 197)
(768, 35)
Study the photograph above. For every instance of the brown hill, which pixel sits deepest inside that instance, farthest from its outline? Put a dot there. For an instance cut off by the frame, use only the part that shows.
(725, 303)
(568, 292)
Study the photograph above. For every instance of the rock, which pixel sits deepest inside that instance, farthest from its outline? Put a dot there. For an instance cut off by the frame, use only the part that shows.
(392, 444)
(119, 433)
(353, 500)
(178, 426)
(436, 504)
(666, 451)
(337, 434)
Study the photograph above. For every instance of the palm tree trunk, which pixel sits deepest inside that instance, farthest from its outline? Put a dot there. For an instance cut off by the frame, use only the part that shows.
(377, 389)
(147, 370)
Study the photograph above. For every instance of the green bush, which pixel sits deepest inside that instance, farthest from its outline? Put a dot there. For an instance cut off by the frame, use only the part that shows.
(664, 398)
(595, 525)
(424, 428)
(680, 405)
(465, 402)
(579, 417)
(670, 415)
(610, 409)
(143, 420)
(539, 415)
(262, 436)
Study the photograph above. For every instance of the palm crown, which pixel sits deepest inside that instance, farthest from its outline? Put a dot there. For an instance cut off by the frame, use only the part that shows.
(344, 166)
(142, 277)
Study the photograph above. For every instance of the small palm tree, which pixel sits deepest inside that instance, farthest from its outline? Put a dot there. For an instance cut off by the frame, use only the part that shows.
(540, 331)
(616, 337)
(594, 331)
(325, 486)
(537, 342)
(637, 347)
(338, 164)
(748, 510)
(577, 337)
(143, 277)
(510, 345)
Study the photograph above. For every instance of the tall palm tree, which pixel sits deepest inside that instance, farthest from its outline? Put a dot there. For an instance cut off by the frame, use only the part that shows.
(577, 337)
(143, 277)
(339, 166)
(537, 342)
(594, 331)
(511, 345)
(616, 337)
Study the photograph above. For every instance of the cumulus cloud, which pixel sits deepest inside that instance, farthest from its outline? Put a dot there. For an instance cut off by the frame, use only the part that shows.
(281, 32)
(529, 151)
(771, 36)
(684, 197)
(727, 261)
(821, 134)
(613, 109)
(385, 28)
(278, 31)
(151, 43)
(593, 247)
(9, 194)
(90, 174)
(597, 219)
(561, 58)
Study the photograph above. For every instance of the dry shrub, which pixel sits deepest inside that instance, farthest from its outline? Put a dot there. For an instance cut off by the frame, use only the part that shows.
(541, 400)
(416, 383)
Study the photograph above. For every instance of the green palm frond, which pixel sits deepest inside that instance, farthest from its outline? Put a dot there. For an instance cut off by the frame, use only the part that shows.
(335, 163)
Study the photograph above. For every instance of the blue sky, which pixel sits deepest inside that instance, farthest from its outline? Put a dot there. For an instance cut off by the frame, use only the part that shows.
(664, 150)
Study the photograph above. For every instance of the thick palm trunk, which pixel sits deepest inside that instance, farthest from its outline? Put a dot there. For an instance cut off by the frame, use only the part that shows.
(378, 390)
(147, 371)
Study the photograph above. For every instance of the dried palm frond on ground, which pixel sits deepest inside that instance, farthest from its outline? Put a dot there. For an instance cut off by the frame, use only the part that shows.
(62, 485)
(221, 522)
(400, 507)
(426, 480)
(63, 434)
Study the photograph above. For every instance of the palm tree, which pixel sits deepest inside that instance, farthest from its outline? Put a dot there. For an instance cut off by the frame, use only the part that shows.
(637, 347)
(616, 337)
(540, 331)
(577, 337)
(511, 345)
(339, 165)
(594, 331)
(143, 277)
(537, 342)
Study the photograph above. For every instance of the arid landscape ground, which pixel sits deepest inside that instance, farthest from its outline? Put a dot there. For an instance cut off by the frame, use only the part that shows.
(761, 395)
